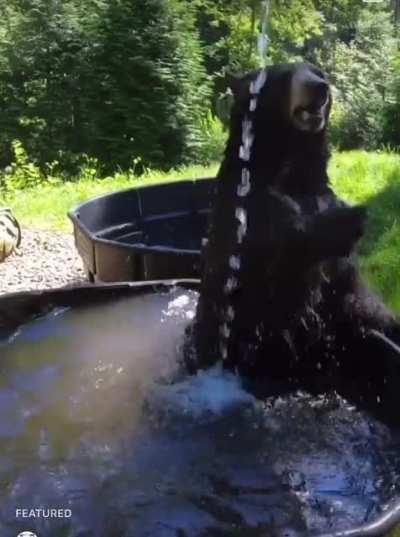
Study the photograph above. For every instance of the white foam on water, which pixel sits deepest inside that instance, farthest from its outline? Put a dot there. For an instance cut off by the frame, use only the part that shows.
(182, 306)
(179, 302)
(208, 394)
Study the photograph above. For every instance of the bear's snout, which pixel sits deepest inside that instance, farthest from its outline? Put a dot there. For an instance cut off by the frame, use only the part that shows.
(309, 99)
(319, 93)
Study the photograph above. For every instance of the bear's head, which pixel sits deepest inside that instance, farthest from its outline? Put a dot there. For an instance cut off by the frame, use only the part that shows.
(296, 96)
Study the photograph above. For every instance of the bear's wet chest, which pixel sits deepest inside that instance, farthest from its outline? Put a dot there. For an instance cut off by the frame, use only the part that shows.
(272, 217)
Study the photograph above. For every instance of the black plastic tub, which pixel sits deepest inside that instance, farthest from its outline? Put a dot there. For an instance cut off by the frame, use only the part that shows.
(47, 444)
(143, 234)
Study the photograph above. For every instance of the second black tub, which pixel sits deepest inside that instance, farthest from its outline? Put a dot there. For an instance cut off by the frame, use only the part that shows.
(147, 233)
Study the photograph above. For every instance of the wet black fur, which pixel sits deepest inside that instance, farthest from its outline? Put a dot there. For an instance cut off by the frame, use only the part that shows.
(299, 283)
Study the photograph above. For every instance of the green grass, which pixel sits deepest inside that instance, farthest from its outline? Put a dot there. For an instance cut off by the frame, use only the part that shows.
(46, 207)
(372, 179)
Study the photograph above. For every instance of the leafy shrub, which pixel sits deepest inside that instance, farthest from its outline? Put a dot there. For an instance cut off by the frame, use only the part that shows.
(336, 124)
(361, 72)
(392, 111)
(213, 140)
(22, 173)
(109, 79)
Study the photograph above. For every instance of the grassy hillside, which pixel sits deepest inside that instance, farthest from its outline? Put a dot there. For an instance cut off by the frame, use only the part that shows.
(372, 179)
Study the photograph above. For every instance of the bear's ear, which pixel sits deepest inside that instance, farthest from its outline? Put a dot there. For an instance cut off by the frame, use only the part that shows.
(239, 86)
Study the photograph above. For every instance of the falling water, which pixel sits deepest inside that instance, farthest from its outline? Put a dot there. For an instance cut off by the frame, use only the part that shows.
(244, 187)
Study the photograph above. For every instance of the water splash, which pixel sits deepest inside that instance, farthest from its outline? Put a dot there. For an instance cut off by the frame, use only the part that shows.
(203, 397)
(244, 187)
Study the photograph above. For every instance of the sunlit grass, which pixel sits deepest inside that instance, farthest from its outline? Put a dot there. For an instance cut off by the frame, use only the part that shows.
(372, 179)
(46, 207)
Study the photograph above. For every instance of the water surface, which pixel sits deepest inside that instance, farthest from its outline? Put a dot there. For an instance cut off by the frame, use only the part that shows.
(96, 416)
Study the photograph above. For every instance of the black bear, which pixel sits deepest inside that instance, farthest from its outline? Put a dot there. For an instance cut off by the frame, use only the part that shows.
(281, 296)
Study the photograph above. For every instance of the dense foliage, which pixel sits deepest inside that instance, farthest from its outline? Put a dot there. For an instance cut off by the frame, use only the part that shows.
(116, 79)
(136, 83)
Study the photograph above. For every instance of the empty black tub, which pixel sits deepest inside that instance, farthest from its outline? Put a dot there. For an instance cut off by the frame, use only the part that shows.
(147, 233)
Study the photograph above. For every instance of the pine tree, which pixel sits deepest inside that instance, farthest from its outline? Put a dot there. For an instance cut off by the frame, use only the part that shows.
(152, 89)
(117, 80)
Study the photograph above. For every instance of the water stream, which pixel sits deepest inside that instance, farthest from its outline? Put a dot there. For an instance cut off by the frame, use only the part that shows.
(244, 187)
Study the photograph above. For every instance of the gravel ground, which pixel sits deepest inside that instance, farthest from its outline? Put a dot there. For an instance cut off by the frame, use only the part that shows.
(45, 259)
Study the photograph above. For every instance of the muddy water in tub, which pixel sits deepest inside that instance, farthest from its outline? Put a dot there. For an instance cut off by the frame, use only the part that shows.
(96, 418)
